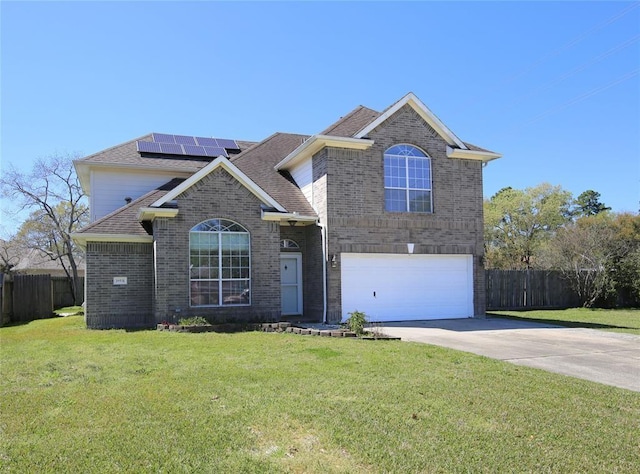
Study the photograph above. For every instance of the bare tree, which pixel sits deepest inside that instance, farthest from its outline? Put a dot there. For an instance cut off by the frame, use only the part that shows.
(585, 252)
(52, 192)
(9, 254)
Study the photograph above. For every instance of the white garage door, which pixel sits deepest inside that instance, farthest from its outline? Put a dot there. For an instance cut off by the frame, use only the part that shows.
(390, 287)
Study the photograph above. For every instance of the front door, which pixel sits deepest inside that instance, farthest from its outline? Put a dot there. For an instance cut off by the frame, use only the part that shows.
(291, 283)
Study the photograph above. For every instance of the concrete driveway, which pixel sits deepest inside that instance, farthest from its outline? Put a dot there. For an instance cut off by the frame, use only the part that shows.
(605, 357)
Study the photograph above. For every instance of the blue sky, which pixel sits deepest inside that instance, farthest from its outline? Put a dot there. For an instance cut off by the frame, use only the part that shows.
(553, 86)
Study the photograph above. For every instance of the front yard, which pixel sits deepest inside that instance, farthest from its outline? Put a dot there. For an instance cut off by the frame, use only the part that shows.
(74, 400)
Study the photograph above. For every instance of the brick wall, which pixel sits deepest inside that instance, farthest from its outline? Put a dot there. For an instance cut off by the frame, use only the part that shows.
(116, 306)
(218, 195)
(353, 207)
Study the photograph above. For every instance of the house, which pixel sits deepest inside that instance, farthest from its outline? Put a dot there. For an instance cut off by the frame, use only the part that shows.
(37, 262)
(381, 213)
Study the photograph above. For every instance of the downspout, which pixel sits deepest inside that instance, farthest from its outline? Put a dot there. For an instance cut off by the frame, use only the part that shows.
(323, 232)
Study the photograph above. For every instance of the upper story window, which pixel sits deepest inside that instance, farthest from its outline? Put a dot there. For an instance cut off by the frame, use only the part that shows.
(219, 270)
(407, 180)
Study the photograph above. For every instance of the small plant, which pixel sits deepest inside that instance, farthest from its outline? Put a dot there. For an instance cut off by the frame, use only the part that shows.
(193, 321)
(356, 322)
(375, 331)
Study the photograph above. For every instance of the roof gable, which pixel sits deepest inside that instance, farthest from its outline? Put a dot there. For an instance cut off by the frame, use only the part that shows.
(230, 168)
(424, 112)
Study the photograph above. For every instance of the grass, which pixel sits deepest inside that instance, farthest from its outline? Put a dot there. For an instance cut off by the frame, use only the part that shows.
(75, 400)
(618, 320)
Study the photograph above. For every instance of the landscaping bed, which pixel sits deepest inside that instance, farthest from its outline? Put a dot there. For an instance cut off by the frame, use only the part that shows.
(317, 330)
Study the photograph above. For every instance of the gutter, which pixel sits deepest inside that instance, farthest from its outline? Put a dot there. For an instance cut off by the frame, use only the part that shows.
(323, 233)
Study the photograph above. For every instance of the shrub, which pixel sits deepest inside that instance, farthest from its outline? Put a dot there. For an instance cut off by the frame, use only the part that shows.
(193, 321)
(356, 322)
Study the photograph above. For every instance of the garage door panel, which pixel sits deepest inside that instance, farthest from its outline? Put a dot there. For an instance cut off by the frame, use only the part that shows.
(404, 287)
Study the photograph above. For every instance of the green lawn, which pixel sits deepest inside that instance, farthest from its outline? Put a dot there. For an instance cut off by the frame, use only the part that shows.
(74, 400)
(618, 320)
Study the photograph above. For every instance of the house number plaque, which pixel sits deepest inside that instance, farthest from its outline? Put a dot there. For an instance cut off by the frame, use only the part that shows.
(119, 280)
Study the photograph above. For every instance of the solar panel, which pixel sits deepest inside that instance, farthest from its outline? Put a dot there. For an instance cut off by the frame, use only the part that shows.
(206, 141)
(166, 143)
(215, 151)
(171, 149)
(163, 138)
(184, 140)
(148, 147)
(228, 144)
(194, 150)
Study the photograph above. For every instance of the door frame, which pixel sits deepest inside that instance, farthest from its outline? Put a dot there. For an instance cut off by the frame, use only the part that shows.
(298, 257)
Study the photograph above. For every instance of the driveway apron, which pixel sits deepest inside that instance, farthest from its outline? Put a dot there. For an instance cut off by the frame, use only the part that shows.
(604, 357)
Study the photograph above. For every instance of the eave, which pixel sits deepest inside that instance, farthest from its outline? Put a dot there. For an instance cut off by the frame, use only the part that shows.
(81, 238)
(484, 156)
(150, 213)
(288, 218)
(316, 143)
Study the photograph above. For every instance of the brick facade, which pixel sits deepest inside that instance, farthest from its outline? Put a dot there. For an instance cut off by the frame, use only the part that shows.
(117, 306)
(354, 211)
(218, 195)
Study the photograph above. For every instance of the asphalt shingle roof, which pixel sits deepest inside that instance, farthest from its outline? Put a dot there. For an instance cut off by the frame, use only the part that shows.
(352, 123)
(258, 164)
(126, 154)
(37, 260)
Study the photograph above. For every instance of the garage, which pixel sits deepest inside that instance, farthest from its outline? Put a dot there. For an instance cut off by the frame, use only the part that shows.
(391, 287)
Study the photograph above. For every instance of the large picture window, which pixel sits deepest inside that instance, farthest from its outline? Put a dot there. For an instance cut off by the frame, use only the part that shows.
(407, 180)
(219, 253)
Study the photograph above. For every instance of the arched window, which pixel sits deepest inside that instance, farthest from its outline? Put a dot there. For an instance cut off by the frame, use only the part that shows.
(288, 244)
(407, 180)
(219, 252)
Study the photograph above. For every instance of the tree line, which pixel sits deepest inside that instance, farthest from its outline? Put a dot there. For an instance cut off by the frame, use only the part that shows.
(544, 227)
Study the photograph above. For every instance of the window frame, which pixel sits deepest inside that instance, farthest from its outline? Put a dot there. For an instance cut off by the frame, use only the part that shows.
(405, 153)
(289, 244)
(220, 227)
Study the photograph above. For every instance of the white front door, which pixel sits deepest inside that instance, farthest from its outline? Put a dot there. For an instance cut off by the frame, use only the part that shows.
(291, 283)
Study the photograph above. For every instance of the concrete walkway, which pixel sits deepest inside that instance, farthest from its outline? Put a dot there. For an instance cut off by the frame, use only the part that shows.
(605, 357)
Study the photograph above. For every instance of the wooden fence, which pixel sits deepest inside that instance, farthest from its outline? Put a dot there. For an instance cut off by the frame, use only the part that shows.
(29, 297)
(528, 289)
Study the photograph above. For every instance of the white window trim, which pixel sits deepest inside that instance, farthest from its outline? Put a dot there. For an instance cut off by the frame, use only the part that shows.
(408, 189)
(220, 280)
